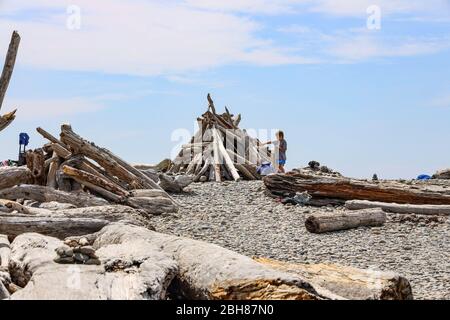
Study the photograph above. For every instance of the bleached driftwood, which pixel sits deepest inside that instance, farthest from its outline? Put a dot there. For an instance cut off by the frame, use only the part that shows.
(427, 209)
(350, 283)
(46, 194)
(11, 176)
(326, 222)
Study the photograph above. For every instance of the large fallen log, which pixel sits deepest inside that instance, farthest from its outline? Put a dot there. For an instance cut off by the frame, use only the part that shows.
(5, 252)
(11, 176)
(427, 209)
(58, 227)
(152, 205)
(112, 213)
(350, 189)
(46, 194)
(350, 283)
(207, 271)
(326, 222)
(442, 174)
(135, 272)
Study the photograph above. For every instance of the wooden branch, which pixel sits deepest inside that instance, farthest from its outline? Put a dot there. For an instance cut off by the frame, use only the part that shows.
(428, 209)
(350, 283)
(326, 222)
(350, 189)
(8, 67)
(7, 119)
(46, 194)
(61, 151)
(50, 137)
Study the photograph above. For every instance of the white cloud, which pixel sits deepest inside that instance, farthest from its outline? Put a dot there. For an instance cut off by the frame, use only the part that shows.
(137, 37)
(441, 102)
(52, 108)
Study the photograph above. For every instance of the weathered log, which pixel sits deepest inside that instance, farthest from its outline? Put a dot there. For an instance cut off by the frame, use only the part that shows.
(36, 163)
(5, 252)
(154, 206)
(50, 137)
(15, 206)
(136, 272)
(174, 185)
(148, 193)
(350, 283)
(207, 271)
(8, 67)
(224, 154)
(350, 189)
(61, 151)
(428, 209)
(11, 176)
(84, 177)
(51, 175)
(46, 194)
(442, 174)
(59, 227)
(326, 222)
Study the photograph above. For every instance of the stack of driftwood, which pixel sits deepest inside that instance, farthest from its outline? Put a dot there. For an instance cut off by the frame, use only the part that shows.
(8, 118)
(366, 201)
(88, 187)
(220, 150)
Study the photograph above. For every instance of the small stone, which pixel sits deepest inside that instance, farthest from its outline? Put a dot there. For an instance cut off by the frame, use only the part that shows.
(64, 260)
(89, 251)
(80, 257)
(203, 179)
(61, 251)
(83, 242)
(93, 261)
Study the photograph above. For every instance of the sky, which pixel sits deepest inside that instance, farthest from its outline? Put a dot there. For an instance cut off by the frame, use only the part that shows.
(360, 86)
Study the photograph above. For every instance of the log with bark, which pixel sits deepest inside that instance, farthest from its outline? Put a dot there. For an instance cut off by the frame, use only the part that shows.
(426, 209)
(11, 176)
(46, 194)
(352, 189)
(350, 283)
(335, 221)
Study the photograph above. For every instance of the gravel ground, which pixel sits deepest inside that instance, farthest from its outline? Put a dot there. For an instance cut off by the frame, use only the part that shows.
(239, 216)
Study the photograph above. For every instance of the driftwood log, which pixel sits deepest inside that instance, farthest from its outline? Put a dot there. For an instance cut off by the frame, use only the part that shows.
(427, 209)
(326, 222)
(5, 280)
(59, 227)
(11, 176)
(351, 189)
(5, 78)
(46, 194)
(442, 174)
(350, 283)
(127, 273)
(207, 271)
(140, 264)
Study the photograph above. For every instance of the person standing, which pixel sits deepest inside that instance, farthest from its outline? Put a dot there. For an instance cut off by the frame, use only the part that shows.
(280, 150)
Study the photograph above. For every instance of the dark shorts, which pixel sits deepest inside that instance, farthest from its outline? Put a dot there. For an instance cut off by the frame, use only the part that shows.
(282, 162)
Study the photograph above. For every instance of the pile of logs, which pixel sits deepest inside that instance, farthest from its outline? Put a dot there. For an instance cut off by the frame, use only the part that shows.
(220, 150)
(365, 201)
(10, 60)
(73, 187)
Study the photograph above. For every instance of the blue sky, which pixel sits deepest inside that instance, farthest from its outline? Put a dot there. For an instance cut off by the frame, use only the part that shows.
(359, 100)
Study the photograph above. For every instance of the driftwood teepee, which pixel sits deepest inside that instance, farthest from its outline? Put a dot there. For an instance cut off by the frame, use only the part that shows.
(7, 119)
(220, 150)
